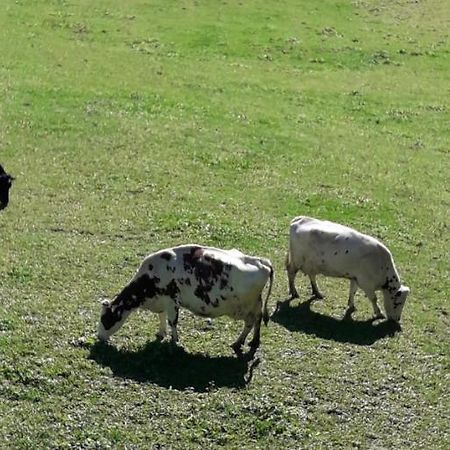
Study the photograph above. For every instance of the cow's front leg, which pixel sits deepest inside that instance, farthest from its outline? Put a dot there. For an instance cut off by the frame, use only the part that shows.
(377, 314)
(162, 332)
(172, 318)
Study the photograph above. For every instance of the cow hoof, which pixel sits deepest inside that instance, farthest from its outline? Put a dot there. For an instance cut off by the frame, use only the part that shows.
(349, 312)
(237, 349)
(160, 336)
(251, 353)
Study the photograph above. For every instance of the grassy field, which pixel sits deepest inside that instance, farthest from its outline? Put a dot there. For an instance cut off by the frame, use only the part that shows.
(132, 126)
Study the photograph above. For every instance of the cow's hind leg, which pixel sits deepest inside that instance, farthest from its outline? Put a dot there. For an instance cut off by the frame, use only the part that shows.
(314, 288)
(351, 298)
(248, 325)
(291, 279)
(254, 343)
(291, 272)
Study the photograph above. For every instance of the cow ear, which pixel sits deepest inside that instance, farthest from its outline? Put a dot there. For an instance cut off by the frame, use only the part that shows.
(405, 289)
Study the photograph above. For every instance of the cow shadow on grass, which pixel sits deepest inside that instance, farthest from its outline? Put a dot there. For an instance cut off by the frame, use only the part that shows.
(303, 318)
(173, 367)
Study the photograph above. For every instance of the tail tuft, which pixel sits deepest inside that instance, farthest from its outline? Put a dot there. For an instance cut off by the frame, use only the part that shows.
(265, 311)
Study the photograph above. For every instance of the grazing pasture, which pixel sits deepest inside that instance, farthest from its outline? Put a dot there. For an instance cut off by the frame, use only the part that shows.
(139, 125)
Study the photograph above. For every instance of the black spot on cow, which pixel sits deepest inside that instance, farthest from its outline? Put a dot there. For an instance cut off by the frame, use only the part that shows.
(150, 267)
(110, 318)
(346, 251)
(137, 291)
(217, 266)
(166, 255)
(323, 261)
(171, 290)
(335, 253)
(151, 288)
(205, 269)
(202, 292)
(347, 238)
(223, 283)
(190, 258)
(396, 300)
(389, 286)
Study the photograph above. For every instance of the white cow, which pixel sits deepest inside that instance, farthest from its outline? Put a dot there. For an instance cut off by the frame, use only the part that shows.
(207, 281)
(327, 248)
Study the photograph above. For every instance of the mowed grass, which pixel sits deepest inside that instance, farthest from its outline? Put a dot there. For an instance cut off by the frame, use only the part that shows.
(133, 126)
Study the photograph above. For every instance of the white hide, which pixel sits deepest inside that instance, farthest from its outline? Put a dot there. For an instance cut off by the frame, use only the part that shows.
(318, 247)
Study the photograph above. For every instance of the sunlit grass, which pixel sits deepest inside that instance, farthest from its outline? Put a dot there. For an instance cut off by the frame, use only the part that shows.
(133, 126)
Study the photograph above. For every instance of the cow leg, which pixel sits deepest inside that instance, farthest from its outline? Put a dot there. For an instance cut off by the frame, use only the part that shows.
(161, 334)
(377, 314)
(248, 325)
(315, 290)
(351, 298)
(254, 343)
(291, 278)
(172, 318)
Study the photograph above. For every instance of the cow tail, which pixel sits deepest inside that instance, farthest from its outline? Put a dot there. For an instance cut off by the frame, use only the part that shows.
(265, 311)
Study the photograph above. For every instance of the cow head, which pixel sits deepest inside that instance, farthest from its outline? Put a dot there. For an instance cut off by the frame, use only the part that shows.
(394, 302)
(5, 184)
(112, 318)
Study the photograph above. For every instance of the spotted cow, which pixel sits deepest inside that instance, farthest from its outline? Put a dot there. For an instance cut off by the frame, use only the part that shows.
(209, 282)
(5, 185)
(327, 248)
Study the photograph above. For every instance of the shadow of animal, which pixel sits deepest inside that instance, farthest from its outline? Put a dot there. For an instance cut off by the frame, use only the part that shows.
(302, 318)
(172, 367)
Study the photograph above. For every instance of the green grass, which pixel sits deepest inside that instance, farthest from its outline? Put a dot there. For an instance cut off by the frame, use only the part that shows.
(132, 126)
